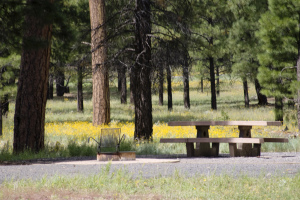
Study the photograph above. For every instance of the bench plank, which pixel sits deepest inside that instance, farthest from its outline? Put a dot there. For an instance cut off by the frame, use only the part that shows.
(224, 123)
(173, 140)
(276, 140)
(213, 140)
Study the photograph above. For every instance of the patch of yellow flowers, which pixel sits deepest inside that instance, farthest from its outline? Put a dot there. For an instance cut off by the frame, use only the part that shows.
(83, 130)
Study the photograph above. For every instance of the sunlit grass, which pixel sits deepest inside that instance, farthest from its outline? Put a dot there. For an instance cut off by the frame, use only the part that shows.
(64, 124)
(121, 184)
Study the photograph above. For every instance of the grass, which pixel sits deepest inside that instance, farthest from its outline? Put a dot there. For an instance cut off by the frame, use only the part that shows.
(121, 184)
(70, 129)
(67, 132)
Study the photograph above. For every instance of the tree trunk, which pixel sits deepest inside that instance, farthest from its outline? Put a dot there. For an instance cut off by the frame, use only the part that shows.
(29, 119)
(79, 89)
(161, 86)
(132, 85)
(262, 99)
(298, 91)
(212, 84)
(169, 81)
(119, 78)
(1, 129)
(50, 87)
(186, 85)
(101, 96)
(5, 105)
(278, 109)
(202, 86)
(246, 96)
(123, 85)
(218, 80)
(142, 71)
(60, 84)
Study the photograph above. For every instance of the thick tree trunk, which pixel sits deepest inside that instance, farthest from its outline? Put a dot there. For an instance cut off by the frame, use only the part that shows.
(50, 87)
(101, 96)
(79, 89)
(246, 96)
(161, 86)
(169, 81)
(142, 70)
(123, 85)
(278, 109)
(262, 99)
(186, 85)
(60, 84)
(29, 119)
(212, 84)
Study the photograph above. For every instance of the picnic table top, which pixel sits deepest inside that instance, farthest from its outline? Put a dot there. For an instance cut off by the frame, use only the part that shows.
(224, 123)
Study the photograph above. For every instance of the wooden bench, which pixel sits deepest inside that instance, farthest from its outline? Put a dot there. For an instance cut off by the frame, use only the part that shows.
(242, 146)
(214, 150)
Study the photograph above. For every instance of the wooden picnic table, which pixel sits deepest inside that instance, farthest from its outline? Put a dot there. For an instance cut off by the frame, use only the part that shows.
(203, 141)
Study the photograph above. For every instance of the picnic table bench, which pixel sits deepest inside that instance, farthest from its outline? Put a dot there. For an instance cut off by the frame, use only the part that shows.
(242, 146)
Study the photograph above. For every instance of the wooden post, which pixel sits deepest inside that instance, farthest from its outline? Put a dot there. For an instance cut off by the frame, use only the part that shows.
(203, 149)
(246, 149)
(190, 149)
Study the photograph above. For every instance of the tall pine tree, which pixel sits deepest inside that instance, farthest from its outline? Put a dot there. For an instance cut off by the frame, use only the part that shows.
(280, 46)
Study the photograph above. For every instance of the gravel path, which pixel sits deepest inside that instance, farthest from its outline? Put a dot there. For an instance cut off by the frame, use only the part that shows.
(269, 164)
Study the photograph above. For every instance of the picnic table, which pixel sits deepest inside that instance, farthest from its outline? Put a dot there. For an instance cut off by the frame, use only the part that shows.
(245, 145)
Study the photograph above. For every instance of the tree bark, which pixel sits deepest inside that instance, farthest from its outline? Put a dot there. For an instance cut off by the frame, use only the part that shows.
(278, 109)
(29, 119)
(142, 71)
(169, 81)
(246, 96)
(212, 84)
(161, 86)
(123, 85)
(101, 95)
(262, 99)
(186, 84)
(79, 89)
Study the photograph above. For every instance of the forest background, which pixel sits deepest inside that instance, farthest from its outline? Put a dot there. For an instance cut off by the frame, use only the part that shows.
(197, 48)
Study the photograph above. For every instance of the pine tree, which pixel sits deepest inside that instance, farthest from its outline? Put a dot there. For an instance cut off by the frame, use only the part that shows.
(243, 42)
(211, 22)
(280, 47)
(29, 119)
(101, 96)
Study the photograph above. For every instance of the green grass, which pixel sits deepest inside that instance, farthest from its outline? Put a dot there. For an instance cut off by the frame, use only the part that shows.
(121, 184)
(230, 107)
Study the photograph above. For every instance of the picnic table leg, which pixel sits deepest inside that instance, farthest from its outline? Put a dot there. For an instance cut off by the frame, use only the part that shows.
(215, 149)
(246, 149)
(233, 150)
(203, 149)
(256, 149)
(190, 149)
